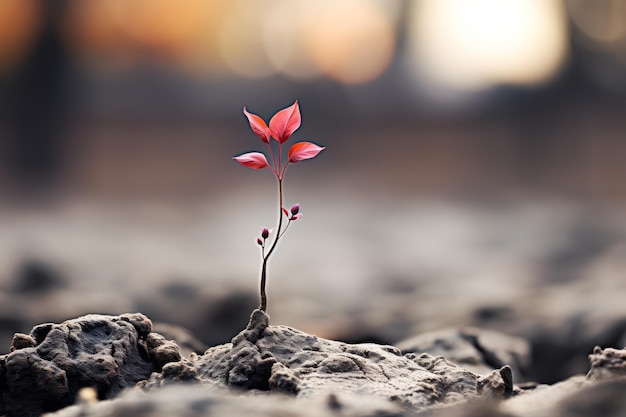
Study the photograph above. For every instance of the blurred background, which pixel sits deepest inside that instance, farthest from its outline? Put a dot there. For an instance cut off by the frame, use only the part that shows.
(474, 170)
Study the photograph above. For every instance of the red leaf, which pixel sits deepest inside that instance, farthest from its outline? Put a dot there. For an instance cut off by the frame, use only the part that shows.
(285, 122)
(285, 212)
(254, 160)
(258, 126)
(304, 150)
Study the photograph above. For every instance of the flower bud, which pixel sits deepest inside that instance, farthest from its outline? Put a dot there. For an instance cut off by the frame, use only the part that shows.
(265, 232)
(259, 241)
(295, 209)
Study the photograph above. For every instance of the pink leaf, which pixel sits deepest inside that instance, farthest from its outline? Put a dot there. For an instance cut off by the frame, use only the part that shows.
(285, 212)
(285, 122)
(304, 150)
(258, 126)
(254, 160)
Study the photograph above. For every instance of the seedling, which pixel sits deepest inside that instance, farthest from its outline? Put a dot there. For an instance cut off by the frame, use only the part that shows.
(281, 127)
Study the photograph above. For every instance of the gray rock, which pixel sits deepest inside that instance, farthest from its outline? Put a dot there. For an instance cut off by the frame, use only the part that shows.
(607, 363)
(546, 400)
(478, 350)
(183, 337)
(45, 370)
(37, 277)
(284, 360)
(277, 370)
(604, 398)
(601, 392)
(201, 400)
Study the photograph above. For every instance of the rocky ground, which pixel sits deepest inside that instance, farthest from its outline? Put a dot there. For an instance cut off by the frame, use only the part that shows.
(100, 365)
(437, 308)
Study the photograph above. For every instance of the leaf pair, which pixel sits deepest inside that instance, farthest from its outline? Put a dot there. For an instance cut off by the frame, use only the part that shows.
(282, 124)
(281, 127)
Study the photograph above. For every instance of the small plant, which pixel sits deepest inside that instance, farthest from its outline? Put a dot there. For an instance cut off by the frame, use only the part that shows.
(281, 127)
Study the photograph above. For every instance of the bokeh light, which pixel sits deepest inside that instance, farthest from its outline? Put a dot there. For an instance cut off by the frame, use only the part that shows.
(117, 34)
(603, 20)
(474, 45)
(600, 32)
(352, 50)
(284, 40)
(262, 39)
(241, 42)
(19, 21)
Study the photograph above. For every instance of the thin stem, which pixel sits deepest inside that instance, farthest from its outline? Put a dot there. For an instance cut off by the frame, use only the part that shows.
(263, 306)
(286, 227)
(274, 167)
(282, 173)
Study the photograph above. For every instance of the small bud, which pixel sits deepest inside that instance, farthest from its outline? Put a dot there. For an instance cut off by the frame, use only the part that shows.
(295, 209)
(265, 232)
(259, 241)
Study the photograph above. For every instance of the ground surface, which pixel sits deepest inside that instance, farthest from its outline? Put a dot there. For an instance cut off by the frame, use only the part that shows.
(352, 269)
(99, 365)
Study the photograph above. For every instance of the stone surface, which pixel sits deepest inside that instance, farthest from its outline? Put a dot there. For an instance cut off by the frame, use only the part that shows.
(115, 366)
(478, 350)
(284, 360)
(200, 401)
(600, 393)
(183, 337)
(45, 370)
(545, 271)
(607, 363)
(605, 398)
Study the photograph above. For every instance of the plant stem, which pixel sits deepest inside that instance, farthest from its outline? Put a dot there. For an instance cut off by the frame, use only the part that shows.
(263, 306)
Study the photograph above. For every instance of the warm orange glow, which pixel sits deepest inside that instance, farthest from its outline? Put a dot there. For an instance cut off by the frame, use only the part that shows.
(350, 41)
(284, 40)
(179, 32)
(97, 25)
(19, 20)
(240, 41)
(471, 45)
